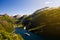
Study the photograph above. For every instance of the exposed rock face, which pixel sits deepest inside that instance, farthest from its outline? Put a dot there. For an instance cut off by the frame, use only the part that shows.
(22, 17)
(17, 16)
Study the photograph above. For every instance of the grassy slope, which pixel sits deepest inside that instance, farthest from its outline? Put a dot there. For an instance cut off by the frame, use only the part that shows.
(6, 23)
(7, 27)
(50, 18)
(9, 36)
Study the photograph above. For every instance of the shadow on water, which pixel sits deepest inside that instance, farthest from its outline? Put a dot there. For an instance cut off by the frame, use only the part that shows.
(32, 36)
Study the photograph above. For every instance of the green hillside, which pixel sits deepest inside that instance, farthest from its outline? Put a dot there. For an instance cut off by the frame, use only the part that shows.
(45, 22)
(9, 36)
(50, 18)
(7, 24)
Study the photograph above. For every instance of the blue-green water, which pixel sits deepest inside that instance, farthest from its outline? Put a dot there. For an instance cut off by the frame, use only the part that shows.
(32, 36)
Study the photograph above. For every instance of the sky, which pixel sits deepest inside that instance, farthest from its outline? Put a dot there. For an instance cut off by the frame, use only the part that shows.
(21, 7)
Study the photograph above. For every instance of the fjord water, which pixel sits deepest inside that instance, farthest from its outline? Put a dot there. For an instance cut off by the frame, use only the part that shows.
(32, 36)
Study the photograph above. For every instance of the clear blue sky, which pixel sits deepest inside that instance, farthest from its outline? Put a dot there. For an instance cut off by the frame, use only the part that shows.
(21, 7)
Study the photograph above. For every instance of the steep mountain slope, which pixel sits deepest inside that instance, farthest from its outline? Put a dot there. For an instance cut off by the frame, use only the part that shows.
(50, 18)
(20, 20)
(6, 23)
(45, 22)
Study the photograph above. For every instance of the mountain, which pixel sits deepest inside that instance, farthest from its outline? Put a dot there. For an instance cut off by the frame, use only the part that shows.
(45, 22)
(6, 23)
(31, 17)
(20, 20)
(17, 16)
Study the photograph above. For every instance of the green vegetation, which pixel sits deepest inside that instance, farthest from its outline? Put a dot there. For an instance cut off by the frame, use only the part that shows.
(7, 24)
(45, 22)
(32, 29)
(9, 36)
(20, 21)
(50, 17)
